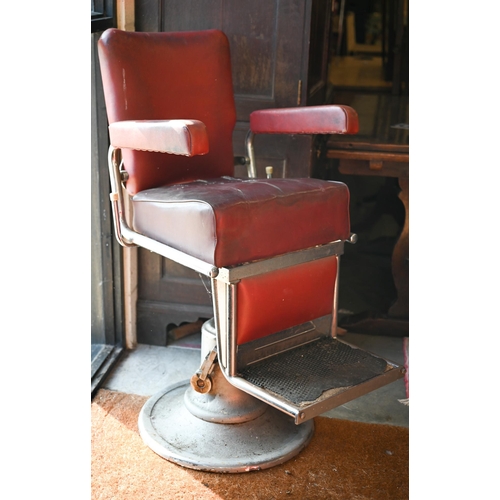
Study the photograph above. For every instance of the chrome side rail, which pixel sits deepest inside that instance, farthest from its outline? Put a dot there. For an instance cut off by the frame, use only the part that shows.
(234, 274)
(182, 258)
(116, 195)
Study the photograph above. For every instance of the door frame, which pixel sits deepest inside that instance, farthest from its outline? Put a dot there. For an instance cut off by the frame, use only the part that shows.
(107, 324)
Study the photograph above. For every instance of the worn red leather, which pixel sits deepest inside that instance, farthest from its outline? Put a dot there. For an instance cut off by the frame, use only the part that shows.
(328, 119)
(179, 137)
(272, 302)
(230, 221)
(167, 76)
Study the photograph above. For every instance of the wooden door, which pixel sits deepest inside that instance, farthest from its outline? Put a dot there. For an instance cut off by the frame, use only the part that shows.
(270, 47)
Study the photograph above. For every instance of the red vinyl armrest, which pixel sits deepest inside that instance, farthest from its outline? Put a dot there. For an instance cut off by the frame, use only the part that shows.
(327, 119)
(179, 137)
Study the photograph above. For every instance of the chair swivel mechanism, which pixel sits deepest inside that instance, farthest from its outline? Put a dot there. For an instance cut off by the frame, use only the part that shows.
(270, 357)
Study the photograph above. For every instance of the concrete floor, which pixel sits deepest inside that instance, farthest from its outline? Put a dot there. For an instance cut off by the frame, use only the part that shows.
(149, 369)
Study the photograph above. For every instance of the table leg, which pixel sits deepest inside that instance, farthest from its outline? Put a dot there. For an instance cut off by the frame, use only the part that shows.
(400, 258)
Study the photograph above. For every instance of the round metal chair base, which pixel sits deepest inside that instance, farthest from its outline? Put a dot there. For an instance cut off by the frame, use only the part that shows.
(174, 433)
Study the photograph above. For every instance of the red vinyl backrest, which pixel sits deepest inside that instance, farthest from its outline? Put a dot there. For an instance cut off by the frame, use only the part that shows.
(164, 76)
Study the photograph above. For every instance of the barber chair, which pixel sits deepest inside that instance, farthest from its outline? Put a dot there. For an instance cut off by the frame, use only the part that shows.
(270, 357)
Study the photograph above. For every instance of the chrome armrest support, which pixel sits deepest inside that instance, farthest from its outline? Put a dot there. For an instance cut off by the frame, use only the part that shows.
(251, 167)
(116, 195)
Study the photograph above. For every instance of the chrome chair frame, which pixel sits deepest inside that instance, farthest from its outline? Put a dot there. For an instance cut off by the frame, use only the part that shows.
(225, 300)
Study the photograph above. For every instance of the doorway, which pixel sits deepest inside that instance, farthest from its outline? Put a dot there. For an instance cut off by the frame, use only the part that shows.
(370, 46)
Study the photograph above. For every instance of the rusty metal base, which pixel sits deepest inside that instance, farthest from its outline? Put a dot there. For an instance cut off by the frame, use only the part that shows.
(267, 438)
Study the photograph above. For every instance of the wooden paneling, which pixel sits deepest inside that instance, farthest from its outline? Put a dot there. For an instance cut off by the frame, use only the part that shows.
(169, 294)
(266, 39)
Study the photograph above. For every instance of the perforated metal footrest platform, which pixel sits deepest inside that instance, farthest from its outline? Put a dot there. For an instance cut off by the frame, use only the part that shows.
(318, 376)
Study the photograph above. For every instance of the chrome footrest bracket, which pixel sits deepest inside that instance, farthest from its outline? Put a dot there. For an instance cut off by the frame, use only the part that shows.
(316, 377)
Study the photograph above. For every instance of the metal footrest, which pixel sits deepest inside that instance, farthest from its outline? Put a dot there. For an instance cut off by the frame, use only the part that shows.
(318, 376)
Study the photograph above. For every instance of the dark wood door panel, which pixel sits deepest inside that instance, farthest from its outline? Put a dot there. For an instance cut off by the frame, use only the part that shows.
(266, 39)
(163, 279)
(168, 294)
(191, 15)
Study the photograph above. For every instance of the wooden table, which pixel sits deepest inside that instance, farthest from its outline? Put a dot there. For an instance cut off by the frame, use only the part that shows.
(382, 149)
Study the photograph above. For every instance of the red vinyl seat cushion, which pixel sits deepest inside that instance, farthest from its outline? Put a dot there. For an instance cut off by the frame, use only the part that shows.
(228, 221)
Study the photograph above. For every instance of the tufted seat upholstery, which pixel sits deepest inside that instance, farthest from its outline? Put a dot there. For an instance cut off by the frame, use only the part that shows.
(228, 221)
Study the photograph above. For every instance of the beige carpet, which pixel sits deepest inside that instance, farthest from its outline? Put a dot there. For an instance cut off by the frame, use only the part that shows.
(345, 460)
